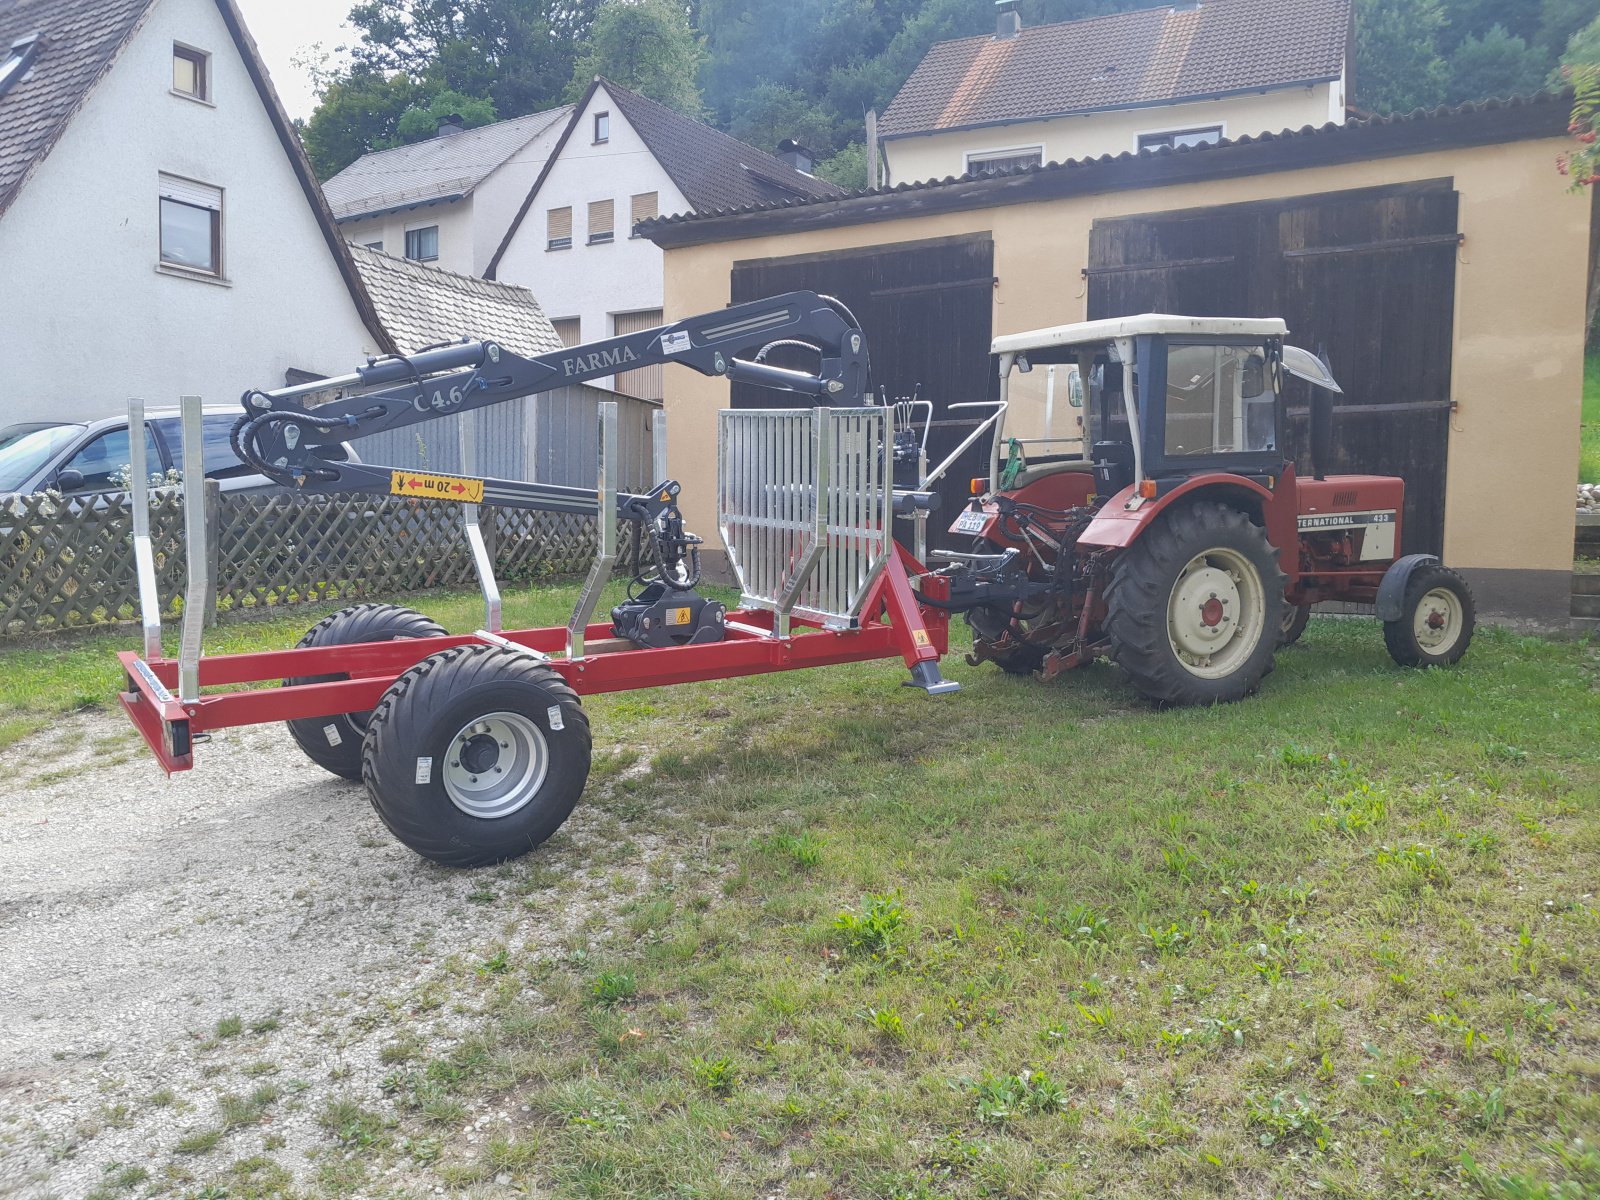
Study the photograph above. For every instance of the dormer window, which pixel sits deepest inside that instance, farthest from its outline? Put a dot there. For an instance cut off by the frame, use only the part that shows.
(191, 72)
(17, 61)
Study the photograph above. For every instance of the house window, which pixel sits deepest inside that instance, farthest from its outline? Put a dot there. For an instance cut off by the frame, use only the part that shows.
(191, 72)
(1180, 137)
(378, 246)
(602, 215)
(645, 207)
(558, 229)
(191, 225)
(16, 63)
(1004, 162)
(422, 245)
(569, 330)
(602, 127)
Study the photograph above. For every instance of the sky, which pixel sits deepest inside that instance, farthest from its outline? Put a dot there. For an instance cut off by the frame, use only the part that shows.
(285, 28)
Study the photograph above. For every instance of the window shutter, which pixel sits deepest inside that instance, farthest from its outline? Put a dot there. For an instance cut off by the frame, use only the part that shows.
(645, 207)
(186, 191)
(602, 214)
(560, 222)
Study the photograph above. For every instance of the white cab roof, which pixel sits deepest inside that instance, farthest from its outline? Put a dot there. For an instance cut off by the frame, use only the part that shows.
(1087, 332)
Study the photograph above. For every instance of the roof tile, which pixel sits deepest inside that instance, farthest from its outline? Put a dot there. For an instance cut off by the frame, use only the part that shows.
(1125, 60)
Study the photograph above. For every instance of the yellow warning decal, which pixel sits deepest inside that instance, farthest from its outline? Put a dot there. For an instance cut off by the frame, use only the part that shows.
(677, 616)
(919, 637)
(436, 487)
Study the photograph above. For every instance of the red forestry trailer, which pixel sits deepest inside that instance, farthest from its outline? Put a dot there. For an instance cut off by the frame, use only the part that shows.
(475, 748)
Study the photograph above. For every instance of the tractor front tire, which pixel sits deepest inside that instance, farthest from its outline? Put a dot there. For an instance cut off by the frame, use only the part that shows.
(476, 755)
(1437, 618)
(1195, 606)
(1295, 619)
(334, 743)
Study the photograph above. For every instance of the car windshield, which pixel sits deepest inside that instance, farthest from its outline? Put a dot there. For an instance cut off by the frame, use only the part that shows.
(22, 456)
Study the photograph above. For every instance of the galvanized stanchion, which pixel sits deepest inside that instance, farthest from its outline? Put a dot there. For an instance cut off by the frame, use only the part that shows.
(605, 530)
(144, 559)
(194, 540)
(481, 562)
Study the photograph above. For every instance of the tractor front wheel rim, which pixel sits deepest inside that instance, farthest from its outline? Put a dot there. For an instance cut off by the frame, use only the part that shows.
(1215, 613)
(495, 765)
(1438, 621)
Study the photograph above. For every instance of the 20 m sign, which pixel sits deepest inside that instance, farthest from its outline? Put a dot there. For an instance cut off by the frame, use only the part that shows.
(436, 487)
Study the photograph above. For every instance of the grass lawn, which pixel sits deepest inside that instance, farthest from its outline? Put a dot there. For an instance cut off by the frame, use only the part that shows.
(1589, 462)
(1034, 941)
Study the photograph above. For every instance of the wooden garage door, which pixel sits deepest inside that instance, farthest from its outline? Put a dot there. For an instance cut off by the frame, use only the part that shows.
(1366, 278)
(926, 309)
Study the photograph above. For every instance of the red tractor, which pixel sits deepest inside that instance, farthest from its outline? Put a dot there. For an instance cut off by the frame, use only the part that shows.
(1179, 542)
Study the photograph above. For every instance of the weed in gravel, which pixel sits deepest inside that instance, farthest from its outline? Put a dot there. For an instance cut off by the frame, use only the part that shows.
(355, 1127)
(257, 1069)
(162, 1098)
(265, 1025)
(228, 1027)
(611, 988)
(201, 1141)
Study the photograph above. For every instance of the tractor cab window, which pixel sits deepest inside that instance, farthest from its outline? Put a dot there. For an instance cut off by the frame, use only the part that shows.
(1219, 401)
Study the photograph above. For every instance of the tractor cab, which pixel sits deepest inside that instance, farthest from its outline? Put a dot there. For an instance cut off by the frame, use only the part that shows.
(1168, 397)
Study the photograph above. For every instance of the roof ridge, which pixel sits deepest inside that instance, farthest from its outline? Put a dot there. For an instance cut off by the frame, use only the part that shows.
(472, 132)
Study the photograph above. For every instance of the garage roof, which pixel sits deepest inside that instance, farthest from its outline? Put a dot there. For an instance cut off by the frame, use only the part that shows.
(1136, 59)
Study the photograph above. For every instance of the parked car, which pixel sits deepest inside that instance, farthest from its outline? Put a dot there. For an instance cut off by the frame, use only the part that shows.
(81, 458)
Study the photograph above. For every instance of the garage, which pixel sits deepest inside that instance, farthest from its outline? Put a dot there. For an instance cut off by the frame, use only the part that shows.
(1437, 260)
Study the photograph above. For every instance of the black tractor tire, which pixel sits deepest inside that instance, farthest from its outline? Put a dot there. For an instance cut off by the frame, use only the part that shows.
(500, 706)
(1183, 549)
(334, 743)
(1295, 619)
(1437, 618)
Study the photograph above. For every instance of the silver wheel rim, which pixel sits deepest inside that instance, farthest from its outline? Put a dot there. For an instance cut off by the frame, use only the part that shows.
(495, 765)
(1215, 614)
(1436, 624)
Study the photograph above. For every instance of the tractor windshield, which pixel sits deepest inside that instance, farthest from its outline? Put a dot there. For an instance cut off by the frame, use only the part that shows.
(1219, 400)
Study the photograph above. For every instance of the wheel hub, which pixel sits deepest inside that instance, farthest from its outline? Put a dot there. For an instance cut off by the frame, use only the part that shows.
(1215, 613)
(496, 764)
(1439, 621)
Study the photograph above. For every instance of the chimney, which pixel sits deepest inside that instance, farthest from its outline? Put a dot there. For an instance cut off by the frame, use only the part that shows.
(451, 125)
(1007, 20)
(796, 155)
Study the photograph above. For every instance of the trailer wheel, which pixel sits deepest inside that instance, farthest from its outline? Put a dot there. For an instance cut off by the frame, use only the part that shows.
(334, 743)
(1195, 606)
(1295, 619)
(1436, 620)
(476, 755)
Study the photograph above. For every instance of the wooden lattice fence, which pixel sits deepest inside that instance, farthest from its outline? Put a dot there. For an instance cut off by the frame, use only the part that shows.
(69, 563)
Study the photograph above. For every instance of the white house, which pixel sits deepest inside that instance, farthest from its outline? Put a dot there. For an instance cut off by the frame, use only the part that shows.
(622, 159)
(161, 233)
(449, 200)
(1178, 75)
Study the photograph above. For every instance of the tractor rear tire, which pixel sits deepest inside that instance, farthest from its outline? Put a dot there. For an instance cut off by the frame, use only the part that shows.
(1195, 606)
(1437, 618)
(1295, 619)
(334, 743)
(476, 755)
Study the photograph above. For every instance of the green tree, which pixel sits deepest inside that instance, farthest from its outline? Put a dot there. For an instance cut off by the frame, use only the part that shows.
(1398, 67)
(772, 112)
(422, 121)
(645, 45)
(1560, 19)
(1474, 18)
(848, 168)
(1583, 48)
(1496, 64)
(357, 113)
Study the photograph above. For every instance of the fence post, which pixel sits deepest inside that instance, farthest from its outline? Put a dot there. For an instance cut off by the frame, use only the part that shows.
(213, 547)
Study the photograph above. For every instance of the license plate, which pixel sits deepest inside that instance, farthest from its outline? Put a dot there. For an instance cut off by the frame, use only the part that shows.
(971, 522)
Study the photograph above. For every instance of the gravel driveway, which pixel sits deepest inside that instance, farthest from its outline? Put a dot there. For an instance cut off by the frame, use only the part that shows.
(167, 945)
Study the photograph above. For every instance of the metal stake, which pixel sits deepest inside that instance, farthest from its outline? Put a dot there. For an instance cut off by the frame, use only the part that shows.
(194, 539)
(606, 531)
(481, 562)
(658, 443)
(144, 559)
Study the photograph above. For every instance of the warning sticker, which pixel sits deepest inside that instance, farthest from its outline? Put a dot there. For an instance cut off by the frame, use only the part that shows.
(436, 487)
(919, 637)
(677, 616)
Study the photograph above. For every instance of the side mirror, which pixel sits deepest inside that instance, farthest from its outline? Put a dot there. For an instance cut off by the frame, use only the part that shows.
(69, 481)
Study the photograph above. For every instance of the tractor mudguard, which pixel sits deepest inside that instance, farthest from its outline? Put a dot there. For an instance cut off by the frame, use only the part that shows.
(1392, 591)
(1124, 517)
